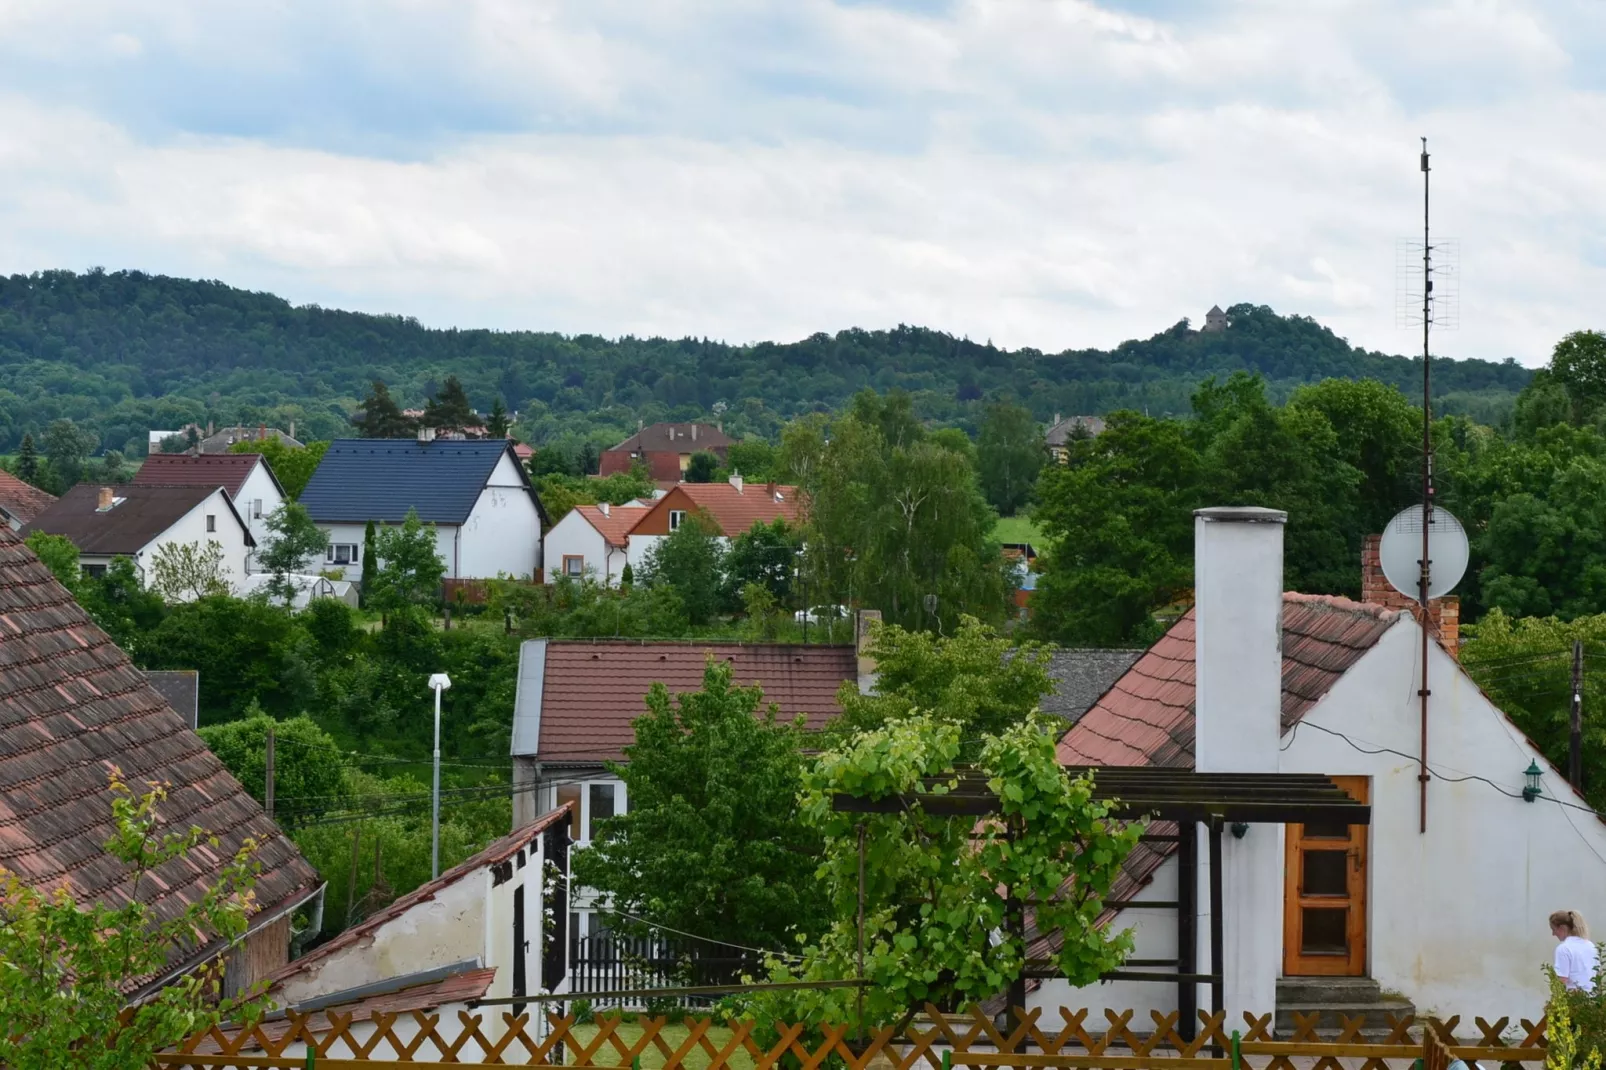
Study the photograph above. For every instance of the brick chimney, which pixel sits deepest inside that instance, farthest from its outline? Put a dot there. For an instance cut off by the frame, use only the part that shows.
(104, 500)
(1444, 614)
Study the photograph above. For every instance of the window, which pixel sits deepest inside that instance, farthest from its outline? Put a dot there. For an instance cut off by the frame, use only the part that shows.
(675, 518)
(342, 553)
(211, 521)
(256, 508)
(574, 565)
(95, 572)
(594, 802)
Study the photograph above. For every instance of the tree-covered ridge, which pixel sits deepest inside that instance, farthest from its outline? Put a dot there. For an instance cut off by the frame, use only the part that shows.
(125, 352)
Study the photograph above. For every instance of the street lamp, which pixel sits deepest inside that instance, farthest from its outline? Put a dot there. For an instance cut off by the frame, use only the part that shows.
(438, 682)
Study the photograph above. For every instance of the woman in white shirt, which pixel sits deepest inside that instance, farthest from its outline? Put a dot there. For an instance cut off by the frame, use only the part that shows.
(1575, 955)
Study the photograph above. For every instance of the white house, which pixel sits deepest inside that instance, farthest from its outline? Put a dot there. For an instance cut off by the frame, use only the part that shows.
(136, 520)
(731, 508)
(492, 927)
(591, 540)
(487, 516)
(1443, 899)
(250, 482)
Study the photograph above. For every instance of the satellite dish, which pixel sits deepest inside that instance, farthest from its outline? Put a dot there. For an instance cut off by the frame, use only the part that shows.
(1401, 552)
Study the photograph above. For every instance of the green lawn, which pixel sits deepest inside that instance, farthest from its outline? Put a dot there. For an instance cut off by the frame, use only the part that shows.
(1018, 529)
(674, 1036)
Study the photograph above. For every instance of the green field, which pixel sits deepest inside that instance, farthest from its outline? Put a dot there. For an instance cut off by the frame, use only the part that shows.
(629, 1033)
(1019, 529)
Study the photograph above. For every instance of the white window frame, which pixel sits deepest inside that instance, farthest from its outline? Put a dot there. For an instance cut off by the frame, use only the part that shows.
(621, 803)
(352, 550)
(677, 517)
(211, 523)
(256, 508)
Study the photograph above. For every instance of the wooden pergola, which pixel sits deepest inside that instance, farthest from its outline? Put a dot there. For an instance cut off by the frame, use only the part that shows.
(1182, 796)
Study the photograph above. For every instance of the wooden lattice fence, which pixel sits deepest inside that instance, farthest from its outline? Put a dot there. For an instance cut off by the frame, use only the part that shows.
(937, 1041)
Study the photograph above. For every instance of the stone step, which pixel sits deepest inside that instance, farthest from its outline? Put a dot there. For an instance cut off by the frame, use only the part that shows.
(1328, 989)
(1334, 999)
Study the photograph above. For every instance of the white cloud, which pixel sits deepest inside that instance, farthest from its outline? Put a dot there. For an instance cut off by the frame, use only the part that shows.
(1054, 173)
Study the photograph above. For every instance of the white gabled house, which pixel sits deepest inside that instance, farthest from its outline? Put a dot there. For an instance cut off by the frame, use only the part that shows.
(250, 482)
(1441, 900)
(591, 541)
(487, 516)
(136, 520)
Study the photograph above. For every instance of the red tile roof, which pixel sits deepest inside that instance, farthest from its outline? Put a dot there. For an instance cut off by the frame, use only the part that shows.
(226, 470)
(500, 851)
(735, 511)
(593, 690)
(72, 707)
(22, 500)
(614, 526)
(1146, 718)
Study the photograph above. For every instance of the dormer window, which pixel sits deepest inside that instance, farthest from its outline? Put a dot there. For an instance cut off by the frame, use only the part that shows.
(675, 518)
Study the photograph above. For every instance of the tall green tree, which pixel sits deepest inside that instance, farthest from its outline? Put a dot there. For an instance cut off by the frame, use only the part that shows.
(1009, 454)
(67, 964)
(293, 539)
(410, 567)
(59, 555)
(497, 424)
(754, 458)
(292, 466)
(940, 893)
(895, 521)
(67, 446)
(378, 416)
(28, 461)
(765, 554)
(309, 772)
(691, 561)
(370, 563)
(1578, 365)
(450, 407)
(701, 467)
(713, 843)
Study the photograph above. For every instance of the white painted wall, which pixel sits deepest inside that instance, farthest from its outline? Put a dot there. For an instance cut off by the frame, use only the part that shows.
(1457, 916)
(1238, 555)
(191, 527)
(258, 487)
(639, 548)
(351, 534)
(502, 535)
(443, 931)
(574, 536)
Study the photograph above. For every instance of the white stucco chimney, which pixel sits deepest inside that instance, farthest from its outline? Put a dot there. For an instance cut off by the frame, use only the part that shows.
(1238, 620)
(1238, 664)
(736, 481)
(604, 507)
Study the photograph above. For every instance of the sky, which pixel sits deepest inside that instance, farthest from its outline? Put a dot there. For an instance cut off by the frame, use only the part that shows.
(1048, 173)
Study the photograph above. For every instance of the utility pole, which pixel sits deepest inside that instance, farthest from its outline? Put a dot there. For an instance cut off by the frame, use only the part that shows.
(351, 885)
(267, 799)
(1575, 742)
(1427, 480)
(438, 682)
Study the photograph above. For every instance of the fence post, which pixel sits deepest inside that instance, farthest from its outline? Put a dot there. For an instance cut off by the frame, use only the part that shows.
(948, 1059)
(1237, 1050)
(312, 1055)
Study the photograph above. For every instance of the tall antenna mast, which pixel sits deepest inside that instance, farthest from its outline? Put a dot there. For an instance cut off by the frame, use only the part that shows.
(1427, 478)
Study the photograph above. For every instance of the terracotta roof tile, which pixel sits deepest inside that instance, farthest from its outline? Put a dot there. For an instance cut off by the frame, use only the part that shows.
(735, 511)
(226, 470)
(593, 691)
(71, 707)
(22, 500)
(614, 525)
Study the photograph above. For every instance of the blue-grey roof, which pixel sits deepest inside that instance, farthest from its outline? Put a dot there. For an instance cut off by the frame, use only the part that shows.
(380, 479)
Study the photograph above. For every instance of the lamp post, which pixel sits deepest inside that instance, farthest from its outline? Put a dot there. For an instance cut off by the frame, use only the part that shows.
(438, 682)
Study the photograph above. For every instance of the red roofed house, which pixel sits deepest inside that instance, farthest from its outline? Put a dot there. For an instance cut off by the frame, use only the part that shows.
(249, 481)
(72, 707)
(665, 449)
(576, 700)
(591, 540)
(20, 502)
(1451, 914)
(733, 507)
(491, 927)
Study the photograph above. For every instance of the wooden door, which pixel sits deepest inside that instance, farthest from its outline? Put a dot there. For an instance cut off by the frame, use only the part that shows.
(1324, 898)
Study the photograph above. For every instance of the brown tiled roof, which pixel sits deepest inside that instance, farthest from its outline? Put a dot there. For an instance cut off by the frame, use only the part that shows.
(593, 690)
(226, 470)
(22, 500)
(675, 438)
(1146, 718)
(143, 513)
(735, 511)
(71, 708)
(615, 525)
(500, 851)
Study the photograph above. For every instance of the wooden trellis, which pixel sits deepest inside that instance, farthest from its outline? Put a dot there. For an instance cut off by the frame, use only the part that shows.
(938, 1041)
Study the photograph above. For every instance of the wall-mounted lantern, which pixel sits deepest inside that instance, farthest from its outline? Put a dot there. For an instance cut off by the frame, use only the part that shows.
(1530, 790)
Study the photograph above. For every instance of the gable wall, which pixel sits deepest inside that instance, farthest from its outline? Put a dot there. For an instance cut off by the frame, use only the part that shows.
(192, 528)
(501, 535)
(574, 536)
(259, 485)
(1457, 915)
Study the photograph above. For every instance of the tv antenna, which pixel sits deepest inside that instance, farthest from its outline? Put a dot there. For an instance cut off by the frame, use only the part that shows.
(1427, 273)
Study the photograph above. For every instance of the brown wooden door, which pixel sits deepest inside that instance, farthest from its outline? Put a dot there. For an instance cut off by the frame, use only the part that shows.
(1324, 899)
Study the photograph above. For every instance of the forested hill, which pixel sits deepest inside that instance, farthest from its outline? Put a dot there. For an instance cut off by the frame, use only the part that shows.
(125, 352)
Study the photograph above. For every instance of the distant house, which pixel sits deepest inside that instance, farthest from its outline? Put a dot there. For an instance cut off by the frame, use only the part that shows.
(666, 449)
(136, 520)
(20, 502)
(591, 540)
(224, 439)
(576, 700)
(247, 478)
(487, 516)
(1065, 430)
(73, 708)
(1215, 320)
(733, 507)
